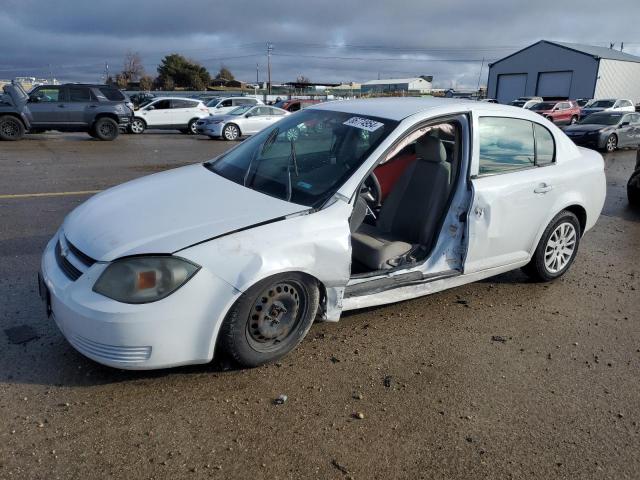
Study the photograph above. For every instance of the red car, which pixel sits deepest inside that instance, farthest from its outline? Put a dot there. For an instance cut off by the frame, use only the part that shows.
(563, 111)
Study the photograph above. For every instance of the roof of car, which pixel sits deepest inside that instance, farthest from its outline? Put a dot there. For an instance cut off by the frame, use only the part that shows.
(176, 98)
(395, 108)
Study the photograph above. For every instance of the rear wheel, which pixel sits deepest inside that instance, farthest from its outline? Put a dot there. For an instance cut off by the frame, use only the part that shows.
(270, 319)
(612, 143)
(106, 129)
(231, 132)
(557, 248)
(11, 128)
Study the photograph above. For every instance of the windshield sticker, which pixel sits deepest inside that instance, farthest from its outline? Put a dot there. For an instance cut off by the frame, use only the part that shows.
(364, 124)
(304, 185)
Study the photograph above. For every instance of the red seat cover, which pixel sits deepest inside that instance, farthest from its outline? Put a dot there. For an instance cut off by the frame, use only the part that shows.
(389, 173)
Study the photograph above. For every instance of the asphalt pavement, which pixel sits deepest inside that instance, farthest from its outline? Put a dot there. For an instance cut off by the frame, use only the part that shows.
(499, 379)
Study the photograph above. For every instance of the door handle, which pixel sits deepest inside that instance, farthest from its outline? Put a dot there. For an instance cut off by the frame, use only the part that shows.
(61, 106)
(542, 188)
(92, 106)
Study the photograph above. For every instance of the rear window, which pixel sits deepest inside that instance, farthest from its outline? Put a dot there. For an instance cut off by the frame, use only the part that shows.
(184, 104)
(112, 94)
(80, 94)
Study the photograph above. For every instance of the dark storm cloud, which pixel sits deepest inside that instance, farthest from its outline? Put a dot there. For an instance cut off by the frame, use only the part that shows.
(74, 38)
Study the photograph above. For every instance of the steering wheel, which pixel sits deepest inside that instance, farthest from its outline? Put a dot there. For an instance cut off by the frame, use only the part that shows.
(371, 192)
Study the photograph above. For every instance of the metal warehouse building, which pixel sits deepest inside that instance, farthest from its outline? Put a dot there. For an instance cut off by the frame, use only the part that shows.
(397, 85)
(558, 70)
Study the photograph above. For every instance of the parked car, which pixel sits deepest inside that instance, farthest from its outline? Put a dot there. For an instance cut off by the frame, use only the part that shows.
(525, 102)
(221, 106)
(140, 98)
(607, 130)
(244, 120)
(296, 104)
(489, 100)
(99, 110)
(169, 113)
(582, 101)
(608, 105)
(562, 112)
(383, 203)
(633, 185)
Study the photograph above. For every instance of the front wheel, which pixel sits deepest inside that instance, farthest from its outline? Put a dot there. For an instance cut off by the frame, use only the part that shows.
(137, 126)
(11, 128)
(192, 129)
(270, 319)
(612, 143)
(231, 132)
(106, 129)
(557, 248)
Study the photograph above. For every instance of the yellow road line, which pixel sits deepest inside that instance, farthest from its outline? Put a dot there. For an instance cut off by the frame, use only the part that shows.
(51, 194)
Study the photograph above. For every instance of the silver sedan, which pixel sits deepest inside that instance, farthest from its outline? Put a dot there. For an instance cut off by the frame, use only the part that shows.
(244, 120)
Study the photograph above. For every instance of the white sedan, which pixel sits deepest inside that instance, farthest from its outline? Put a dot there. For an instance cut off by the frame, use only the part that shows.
(341, 206)
(244, 120)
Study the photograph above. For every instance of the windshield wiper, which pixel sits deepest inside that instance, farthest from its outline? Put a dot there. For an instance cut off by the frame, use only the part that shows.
(294, 160)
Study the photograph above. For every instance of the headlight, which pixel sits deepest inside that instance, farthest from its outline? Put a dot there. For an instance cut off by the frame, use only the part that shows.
(214, 122)
(144, 279)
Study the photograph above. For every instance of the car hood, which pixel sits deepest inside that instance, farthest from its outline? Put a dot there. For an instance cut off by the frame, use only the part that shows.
(166, 212)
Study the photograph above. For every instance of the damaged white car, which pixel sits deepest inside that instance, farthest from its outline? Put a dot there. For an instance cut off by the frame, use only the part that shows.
(341, 206)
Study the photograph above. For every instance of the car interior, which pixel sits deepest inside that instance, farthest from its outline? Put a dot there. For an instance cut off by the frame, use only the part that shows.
(401, 205)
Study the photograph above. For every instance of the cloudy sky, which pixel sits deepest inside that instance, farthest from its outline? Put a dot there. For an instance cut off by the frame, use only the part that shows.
(327, 41)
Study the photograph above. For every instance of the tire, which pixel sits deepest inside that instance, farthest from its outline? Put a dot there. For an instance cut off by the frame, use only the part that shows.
(557, 248)
(270, 319)
(573, 120)
(191, 130)
(633, 189)
(231, 132)
(137, 126)
(11, 128)
(612, 143)
(106, 129)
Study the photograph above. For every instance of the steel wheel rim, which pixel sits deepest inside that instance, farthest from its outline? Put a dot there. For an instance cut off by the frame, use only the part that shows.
(106, 129)
(231, 132)
(10, 128)
(560, 247)
(276, 314)
(611, 143)
(136, 126)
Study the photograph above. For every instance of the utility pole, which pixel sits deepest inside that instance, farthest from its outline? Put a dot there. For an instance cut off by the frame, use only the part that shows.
(269, 50)
(257, 74)
(621, 46)
(480, 76)
(106, 72)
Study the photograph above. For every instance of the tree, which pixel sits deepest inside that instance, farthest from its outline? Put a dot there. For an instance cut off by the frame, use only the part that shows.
(146, 82)
(302, 79)
(180, 72)
(133, 69)
(122, 81)
(224, 74)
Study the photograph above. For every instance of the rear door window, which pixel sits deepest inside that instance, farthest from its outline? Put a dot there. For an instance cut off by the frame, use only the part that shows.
(183, 104)
(545, 146)
(80, 94)
(506, 145)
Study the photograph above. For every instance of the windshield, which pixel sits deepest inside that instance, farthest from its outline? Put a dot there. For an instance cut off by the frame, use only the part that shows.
(602, 119)
(543, 106)
(304, 158)
(241, 110)
(602, 104)
(213, 102)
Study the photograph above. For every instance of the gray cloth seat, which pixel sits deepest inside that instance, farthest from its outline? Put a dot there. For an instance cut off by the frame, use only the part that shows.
(411, 213)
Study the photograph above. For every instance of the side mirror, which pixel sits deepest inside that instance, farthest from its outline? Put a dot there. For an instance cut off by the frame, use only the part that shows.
(248, 115)
(625, 124)
(150, 107)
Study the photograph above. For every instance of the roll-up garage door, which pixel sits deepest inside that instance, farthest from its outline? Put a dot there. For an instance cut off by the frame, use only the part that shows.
(554, 84)
(511, 86)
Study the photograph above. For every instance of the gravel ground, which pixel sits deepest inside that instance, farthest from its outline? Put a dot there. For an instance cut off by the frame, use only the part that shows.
(497, 379)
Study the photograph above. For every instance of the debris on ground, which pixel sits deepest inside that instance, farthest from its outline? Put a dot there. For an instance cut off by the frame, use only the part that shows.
(388, 381)
(498, 338)
(281, 399)
(342, 468)
(358, 415)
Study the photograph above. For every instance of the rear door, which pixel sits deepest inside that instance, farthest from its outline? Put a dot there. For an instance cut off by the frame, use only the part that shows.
(513, 177)
(47, 106)
(182, 111)
(253, 121)
(80, 102)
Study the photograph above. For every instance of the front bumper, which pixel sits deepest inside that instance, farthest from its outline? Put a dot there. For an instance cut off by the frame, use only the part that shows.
(210, 129)
(178, 330)
(590, 141)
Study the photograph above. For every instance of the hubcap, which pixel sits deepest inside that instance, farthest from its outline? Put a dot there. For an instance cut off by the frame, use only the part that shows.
(231, 132)
(106, 129)
(193, 127)
(136, 126)
(611, 144)
(275, 314)
(560, 247)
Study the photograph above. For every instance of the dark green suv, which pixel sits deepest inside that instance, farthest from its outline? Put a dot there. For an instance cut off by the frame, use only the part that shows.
(100, 110)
